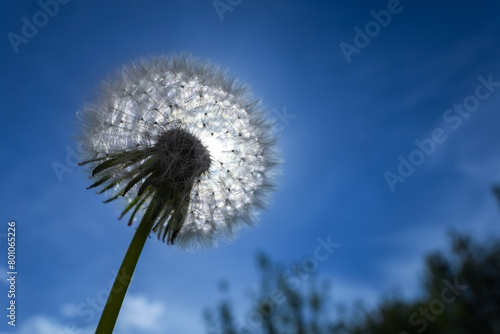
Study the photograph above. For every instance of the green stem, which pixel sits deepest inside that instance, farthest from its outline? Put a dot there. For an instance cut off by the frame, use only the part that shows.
(124, 276)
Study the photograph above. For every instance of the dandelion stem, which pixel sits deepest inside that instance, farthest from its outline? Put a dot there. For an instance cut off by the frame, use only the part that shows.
(124, 276)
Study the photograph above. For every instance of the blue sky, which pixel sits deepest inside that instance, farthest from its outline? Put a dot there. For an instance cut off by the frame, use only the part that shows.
(347, 125)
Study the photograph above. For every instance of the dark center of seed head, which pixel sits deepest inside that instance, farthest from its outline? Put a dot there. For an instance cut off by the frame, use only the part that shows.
(182, 157)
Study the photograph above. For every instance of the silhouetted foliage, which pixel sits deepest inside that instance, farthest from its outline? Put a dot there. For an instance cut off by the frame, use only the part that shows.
(496, 191)
(461, 296)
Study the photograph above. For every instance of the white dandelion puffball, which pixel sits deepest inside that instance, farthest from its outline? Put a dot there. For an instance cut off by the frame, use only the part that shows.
(177, 134)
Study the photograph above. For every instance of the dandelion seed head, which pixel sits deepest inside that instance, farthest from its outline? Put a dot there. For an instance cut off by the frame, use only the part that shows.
(178, 133)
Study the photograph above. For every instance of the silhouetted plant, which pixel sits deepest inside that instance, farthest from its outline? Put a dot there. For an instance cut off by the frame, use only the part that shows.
(461, 295)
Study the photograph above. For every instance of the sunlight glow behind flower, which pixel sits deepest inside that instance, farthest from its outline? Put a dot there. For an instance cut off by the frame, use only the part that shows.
(178, 134)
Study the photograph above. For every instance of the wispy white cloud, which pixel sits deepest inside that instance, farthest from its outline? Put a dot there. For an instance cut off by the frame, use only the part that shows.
(139, 314)
(40, 324)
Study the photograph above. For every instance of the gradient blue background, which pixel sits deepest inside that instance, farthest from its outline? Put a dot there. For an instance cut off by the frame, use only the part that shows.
(351, 122)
